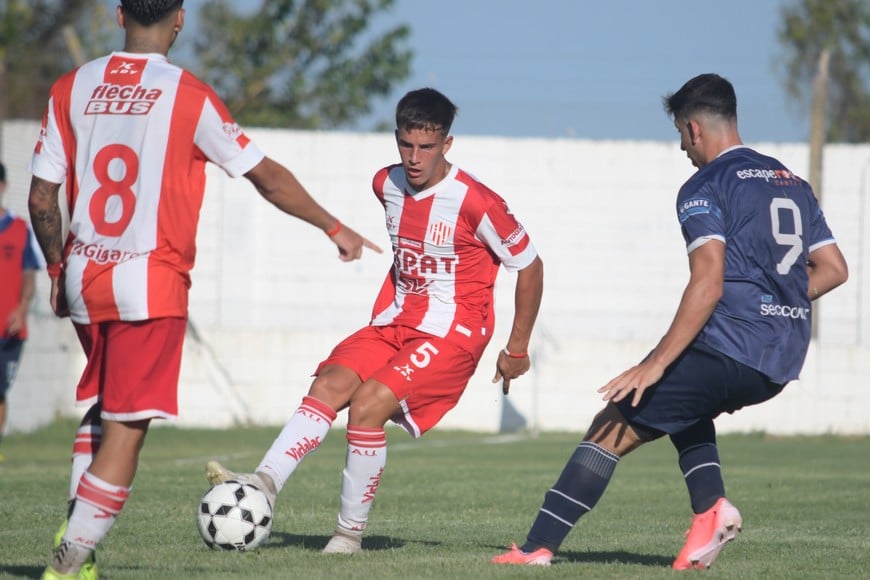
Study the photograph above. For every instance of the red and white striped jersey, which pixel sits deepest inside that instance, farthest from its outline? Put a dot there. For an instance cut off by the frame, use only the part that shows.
(448, 243)
(131, 134)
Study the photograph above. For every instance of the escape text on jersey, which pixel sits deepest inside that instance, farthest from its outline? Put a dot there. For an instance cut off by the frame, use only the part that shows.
(108, 99)
(765, 174)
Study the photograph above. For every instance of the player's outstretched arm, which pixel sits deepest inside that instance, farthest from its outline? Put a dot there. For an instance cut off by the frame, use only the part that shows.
(702, 293)
(827, 269)
(527, 302)
(279, 186)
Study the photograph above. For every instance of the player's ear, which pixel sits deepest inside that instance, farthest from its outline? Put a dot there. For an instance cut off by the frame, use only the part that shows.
(120, 16)
(448, 141)
(694, 129)
(179, 20)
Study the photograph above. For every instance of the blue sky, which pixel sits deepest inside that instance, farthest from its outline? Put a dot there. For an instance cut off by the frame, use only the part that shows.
(593, 69)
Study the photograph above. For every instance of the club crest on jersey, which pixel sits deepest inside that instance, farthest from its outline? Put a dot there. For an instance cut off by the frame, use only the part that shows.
(111, 99)
(232, 130)
(439, 233)
(43, 133)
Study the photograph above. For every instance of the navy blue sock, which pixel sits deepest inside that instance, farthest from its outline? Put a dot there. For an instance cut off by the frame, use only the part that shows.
(699, 462)
(580, 486)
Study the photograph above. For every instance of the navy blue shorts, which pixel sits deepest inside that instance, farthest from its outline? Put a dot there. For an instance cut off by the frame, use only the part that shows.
(701, 384)
(10, 354)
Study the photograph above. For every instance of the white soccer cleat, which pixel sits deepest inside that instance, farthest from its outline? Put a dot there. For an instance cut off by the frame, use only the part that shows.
(344, 542)
(216, 473)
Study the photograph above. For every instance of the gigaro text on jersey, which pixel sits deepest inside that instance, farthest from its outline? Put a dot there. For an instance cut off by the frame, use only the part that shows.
(108, 99)
(100, 254)
(785, 311)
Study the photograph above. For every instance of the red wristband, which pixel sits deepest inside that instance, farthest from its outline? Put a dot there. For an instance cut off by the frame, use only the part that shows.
(515, 354)
(54, 270)
(334, 230)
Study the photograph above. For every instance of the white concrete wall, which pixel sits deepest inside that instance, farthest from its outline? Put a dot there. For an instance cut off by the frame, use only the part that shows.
(270, 298)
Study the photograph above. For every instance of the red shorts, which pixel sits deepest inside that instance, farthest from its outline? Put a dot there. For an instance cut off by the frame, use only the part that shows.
(426, 373)
(132, 368)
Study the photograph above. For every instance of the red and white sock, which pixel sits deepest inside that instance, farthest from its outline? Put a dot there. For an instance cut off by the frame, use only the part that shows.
(85, 447)
(97, 505)
(366, 459)
(302, 434)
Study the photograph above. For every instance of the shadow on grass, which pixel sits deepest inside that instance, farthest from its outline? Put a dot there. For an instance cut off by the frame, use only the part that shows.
(317, 543)
(614, 558)
(620, 557)
(23, 571)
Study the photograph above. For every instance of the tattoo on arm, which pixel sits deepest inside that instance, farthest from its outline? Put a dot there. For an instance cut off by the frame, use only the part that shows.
(46, 219)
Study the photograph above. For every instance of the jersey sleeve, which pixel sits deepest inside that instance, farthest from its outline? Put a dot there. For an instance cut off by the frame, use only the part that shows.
(820, 233)
(700, 216)
(49, 161)
(378, 182)
(223, 142)
(506, 237)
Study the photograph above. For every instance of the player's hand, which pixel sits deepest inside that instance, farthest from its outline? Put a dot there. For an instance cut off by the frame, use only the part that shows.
(509, 368)
(15, 322)
(350, 244)
(637, 379)
(58, 298)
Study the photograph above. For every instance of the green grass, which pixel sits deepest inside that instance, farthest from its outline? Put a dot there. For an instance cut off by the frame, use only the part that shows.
(449, 502)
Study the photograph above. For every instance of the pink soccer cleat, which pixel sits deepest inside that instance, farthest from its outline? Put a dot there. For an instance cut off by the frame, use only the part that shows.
(540, 557)
(709, 532)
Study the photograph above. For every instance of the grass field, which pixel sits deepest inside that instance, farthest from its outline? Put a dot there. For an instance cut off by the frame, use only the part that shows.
(449, 502)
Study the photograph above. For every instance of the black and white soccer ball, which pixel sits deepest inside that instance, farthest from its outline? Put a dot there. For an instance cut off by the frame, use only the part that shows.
(234, 516)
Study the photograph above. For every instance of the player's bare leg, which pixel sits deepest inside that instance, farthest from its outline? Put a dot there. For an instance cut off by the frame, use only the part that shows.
(335, 385)
(303, 433)
(610, 430)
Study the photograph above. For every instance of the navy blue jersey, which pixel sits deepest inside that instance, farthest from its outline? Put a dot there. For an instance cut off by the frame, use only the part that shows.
(770, 221)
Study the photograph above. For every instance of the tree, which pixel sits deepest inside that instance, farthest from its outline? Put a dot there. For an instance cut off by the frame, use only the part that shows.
(39, 41)
(309, 64)
(833, 35)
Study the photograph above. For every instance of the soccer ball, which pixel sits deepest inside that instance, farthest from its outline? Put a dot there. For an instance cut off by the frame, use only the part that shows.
(234, 516)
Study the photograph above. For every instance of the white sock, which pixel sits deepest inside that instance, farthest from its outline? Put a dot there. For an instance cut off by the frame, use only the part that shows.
(97, 505)
(366, 459)
(302, 435)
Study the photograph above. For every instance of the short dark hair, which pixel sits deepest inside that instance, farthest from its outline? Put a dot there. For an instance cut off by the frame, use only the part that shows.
(147, 12)
(425, 109)
(2, 173)
(706, 93)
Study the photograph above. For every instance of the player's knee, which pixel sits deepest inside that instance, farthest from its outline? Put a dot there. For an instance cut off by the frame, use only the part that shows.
(334, 388)
(372, 405)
